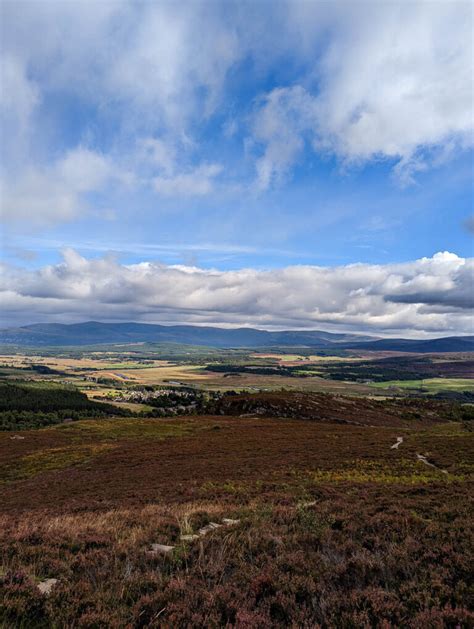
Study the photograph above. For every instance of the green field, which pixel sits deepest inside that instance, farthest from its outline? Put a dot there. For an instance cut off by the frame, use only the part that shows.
(430, 385)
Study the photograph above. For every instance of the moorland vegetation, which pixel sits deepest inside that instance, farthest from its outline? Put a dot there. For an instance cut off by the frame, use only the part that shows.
(183, 506)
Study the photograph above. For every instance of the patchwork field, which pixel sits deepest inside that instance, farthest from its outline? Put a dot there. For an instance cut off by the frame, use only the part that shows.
(87, 372)
(298, 359)
(224, 370)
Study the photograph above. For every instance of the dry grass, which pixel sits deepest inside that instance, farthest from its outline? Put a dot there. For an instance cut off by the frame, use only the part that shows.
(176, 459)
(161, 374)
(354, 558)
(50, 459)
(297, 359)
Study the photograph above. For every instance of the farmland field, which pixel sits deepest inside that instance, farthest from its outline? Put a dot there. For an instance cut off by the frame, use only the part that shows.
(360, 374)
(431, 385)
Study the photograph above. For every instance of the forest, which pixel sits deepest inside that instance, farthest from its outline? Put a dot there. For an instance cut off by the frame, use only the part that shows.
(33, 406)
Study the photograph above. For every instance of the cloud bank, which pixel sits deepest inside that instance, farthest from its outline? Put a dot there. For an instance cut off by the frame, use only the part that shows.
(431, 295)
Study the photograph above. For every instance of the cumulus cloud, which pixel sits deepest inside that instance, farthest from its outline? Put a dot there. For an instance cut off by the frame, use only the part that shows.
(395, 82)
(430, 295)
(440, 281)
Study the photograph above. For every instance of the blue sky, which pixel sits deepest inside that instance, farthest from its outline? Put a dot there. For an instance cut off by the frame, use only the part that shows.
(238, 140)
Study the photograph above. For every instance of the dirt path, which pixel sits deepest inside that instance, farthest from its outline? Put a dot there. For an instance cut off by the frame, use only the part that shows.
(423, 459)
(419, 457)
(397, 443)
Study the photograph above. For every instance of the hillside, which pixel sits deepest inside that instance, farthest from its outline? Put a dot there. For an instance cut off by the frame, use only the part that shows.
(446, 344)
(337, 409)
(228, 521)
(97, 333)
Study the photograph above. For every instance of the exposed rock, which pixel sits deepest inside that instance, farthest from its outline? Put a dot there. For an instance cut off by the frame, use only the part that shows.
(212, 526)
(189, 538)
(424, 460)
(160, 549)
(229, 521)
(328, 408)
(46, 586)
(397, 443)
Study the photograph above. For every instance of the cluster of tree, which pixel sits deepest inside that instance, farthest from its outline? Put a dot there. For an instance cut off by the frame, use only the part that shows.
(27, 406)
(176, 398)
(24, 420)
(43, 370)
(443, 406)
(374, 371)
(371, 375)
(464, 397)
(398, 368)
(24, 397)
(169, 401)
(277, 370)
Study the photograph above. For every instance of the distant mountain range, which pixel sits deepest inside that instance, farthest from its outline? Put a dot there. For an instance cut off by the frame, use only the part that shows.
(96, 333)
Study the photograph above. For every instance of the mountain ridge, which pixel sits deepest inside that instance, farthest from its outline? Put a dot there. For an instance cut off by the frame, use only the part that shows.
(100, 333)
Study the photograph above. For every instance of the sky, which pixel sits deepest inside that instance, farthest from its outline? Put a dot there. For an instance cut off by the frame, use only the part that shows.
(302, 165)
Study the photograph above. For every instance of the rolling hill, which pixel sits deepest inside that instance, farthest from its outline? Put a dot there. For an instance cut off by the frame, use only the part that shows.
(97, 333)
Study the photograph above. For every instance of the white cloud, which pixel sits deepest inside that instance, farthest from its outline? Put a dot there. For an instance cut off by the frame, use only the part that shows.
(373, 80)
(154, 68)
(286, 115)
(18, 95)
(196, 182)
(431, 295)
(54, 193)
(163, 165)
(172, 53)
(158, 154)
(400, 81)
(395, 81)
(165, 61)
(19, 98)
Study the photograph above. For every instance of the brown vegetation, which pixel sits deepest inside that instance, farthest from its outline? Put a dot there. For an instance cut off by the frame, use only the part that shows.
(336, 528)
(344, 410)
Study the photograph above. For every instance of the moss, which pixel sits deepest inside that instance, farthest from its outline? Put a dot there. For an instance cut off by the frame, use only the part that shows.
(430, 385)
(102, 435)
(404, 472)
(127, 429)
(50, 460)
